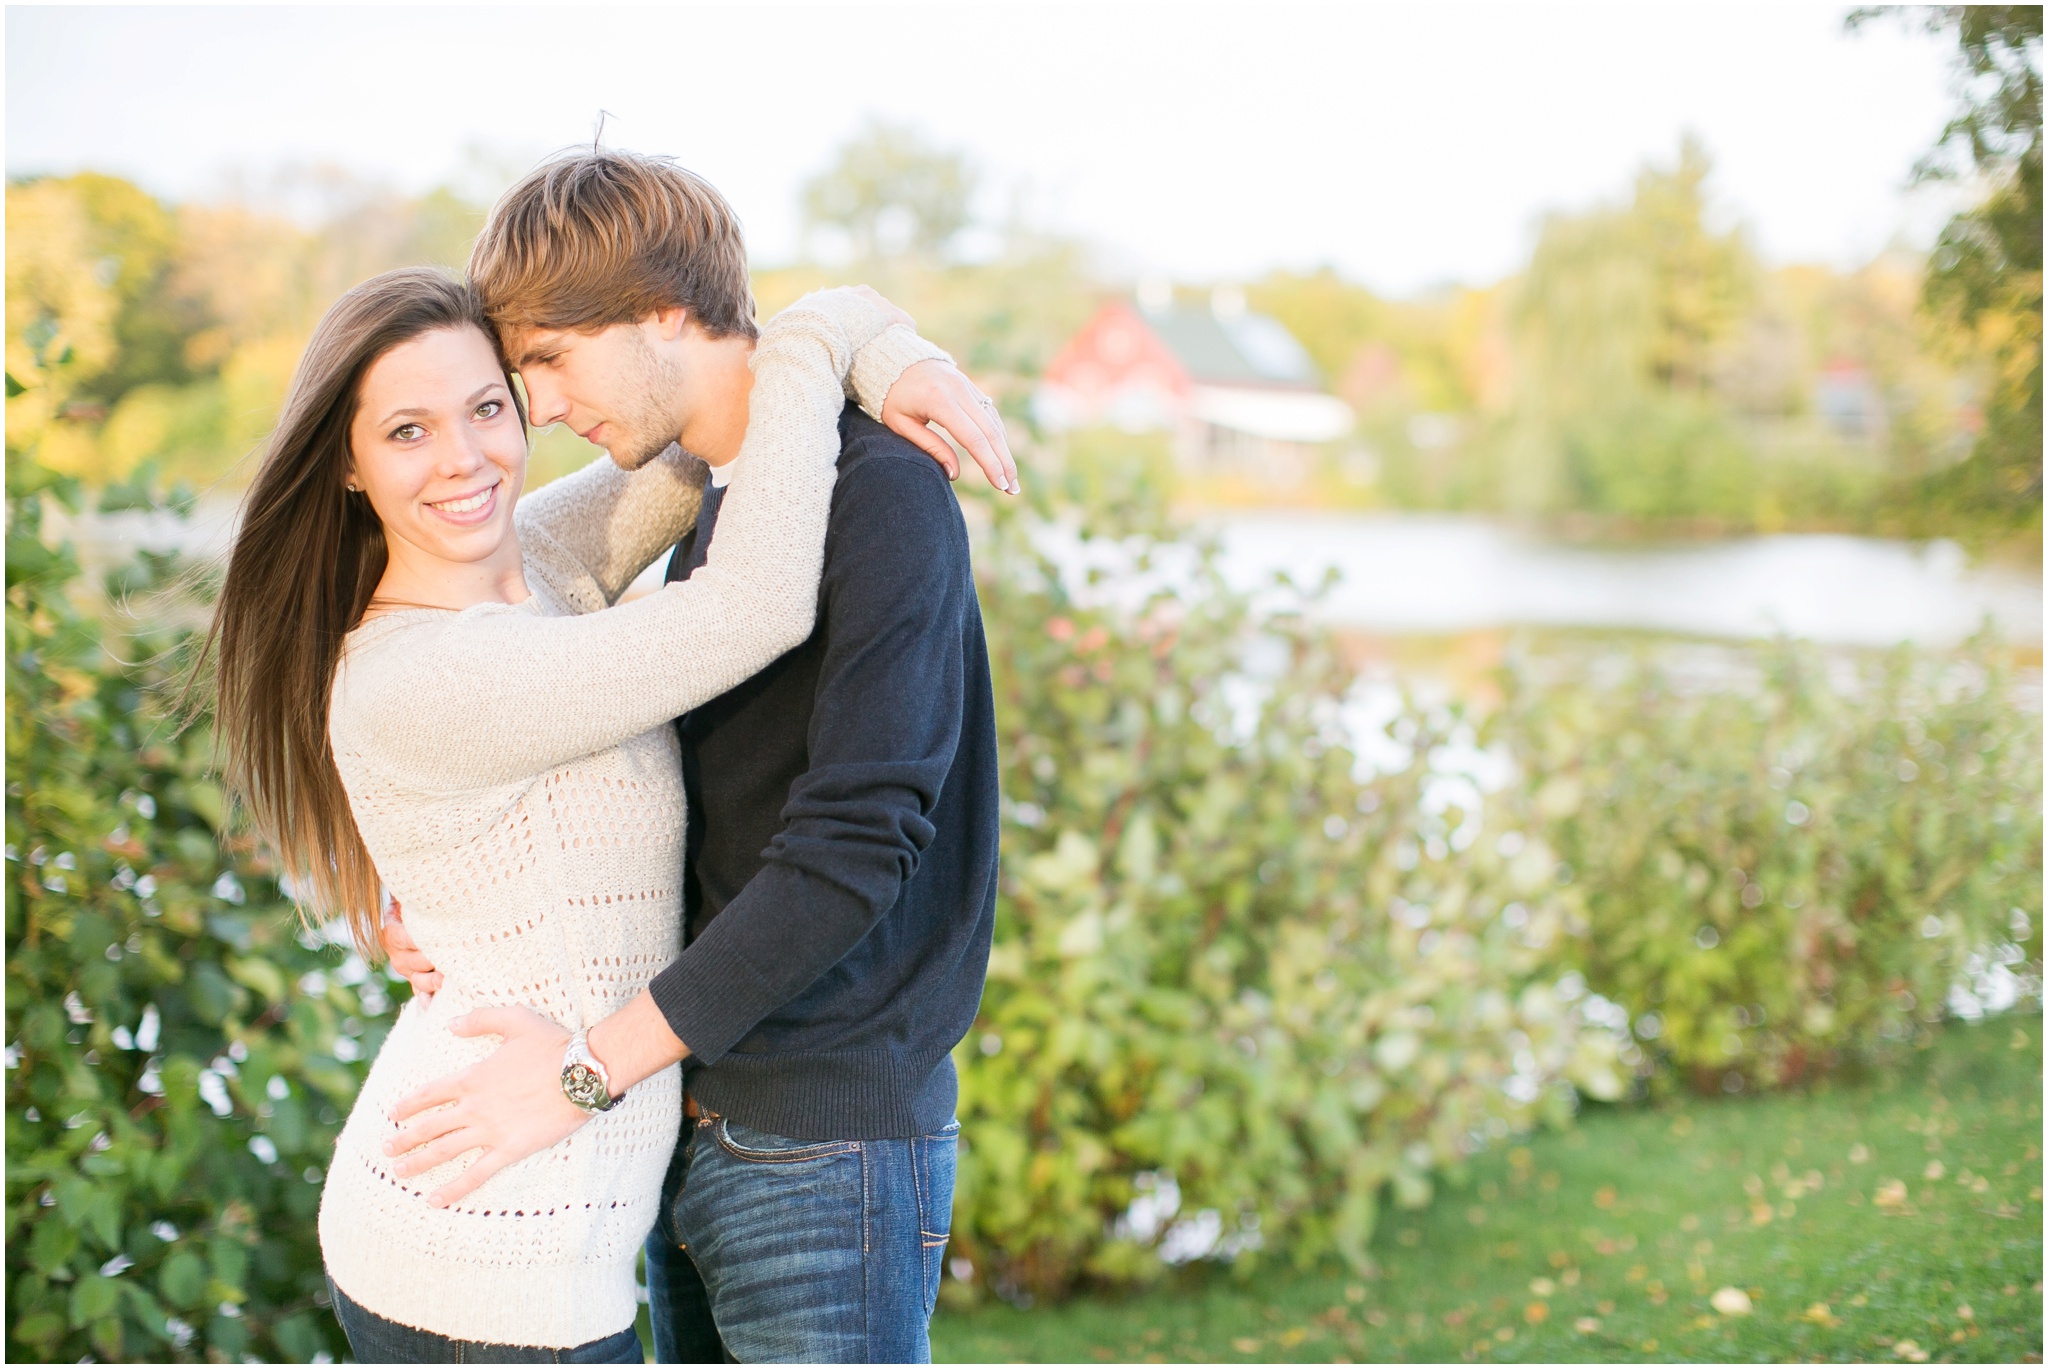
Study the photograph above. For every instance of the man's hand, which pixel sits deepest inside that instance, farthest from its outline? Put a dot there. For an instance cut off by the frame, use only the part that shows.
(508, 1106)
(406, 957)
(934, 391)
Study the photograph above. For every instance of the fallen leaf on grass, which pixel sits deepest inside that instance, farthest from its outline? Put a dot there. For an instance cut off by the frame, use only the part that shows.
(1245, 1345)
(1293, 1336)
(1935, 1169)
(1910, 1350)
(1586, 1326)
(1890, 1195)
(1536, 1313)
(1542, 1287)
(1819, 1315)
(1858, 1153)
(1603, 1197)
(1730, 1302)
(1967, 1312)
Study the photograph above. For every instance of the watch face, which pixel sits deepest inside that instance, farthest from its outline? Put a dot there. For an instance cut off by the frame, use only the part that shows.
(584, 1088)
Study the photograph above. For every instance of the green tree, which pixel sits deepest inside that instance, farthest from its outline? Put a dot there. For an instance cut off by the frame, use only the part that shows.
(1985, 275)
(891, 192)
(1618, 324)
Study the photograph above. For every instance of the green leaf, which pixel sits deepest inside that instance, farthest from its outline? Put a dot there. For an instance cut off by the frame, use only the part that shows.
(93, 1297)
(39, 1329)
(53, 1243)
(182, 1279)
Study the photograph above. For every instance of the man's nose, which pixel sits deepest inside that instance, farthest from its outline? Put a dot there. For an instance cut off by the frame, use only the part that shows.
(544, 403)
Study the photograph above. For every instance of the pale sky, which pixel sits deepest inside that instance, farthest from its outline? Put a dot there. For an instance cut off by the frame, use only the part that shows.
(1407, 146)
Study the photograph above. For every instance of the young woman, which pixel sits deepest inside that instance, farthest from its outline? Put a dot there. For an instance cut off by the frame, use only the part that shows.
(420, 683)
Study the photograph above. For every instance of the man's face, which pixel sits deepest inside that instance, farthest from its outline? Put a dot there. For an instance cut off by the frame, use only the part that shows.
(621, 387)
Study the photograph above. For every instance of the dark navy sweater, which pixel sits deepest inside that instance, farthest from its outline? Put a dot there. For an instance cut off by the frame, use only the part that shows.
(840, 887)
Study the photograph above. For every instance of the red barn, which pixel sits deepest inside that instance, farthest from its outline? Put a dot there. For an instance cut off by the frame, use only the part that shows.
(1234, 388)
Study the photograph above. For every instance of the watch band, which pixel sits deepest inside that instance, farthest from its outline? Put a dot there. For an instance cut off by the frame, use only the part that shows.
(585, 1081)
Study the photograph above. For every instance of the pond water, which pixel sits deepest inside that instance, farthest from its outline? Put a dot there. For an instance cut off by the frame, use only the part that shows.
(1406, 573)
(1422, 574)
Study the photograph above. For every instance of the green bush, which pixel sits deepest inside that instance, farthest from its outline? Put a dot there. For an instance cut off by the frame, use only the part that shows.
(1785, 872)
(179, 1056)
(1264, 960)
(1241, 988)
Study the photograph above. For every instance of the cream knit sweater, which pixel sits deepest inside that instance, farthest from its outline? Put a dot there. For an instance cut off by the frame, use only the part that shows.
(514, 774)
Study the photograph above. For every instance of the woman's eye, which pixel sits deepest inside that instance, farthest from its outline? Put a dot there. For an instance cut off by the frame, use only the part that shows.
(490, 408)
(408, 432)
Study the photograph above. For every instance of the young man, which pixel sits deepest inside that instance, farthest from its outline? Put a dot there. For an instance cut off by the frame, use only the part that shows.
(839, 893)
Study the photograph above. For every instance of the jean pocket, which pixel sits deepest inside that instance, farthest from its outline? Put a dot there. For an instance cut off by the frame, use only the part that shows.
(765, 1148)
(935, 1159)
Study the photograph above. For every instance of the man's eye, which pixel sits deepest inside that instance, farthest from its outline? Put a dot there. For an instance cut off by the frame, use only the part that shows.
(407, 432)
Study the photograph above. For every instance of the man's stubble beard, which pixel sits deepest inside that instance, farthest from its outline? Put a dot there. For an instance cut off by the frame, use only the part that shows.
(648, 419)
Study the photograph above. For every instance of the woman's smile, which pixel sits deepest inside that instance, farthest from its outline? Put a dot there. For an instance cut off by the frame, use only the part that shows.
(469, 509)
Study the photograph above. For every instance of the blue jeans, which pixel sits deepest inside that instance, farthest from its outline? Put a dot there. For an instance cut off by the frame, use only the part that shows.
(769, 1249)
(379, 1340)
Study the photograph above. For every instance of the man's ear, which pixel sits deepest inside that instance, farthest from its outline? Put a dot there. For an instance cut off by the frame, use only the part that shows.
(671, 322)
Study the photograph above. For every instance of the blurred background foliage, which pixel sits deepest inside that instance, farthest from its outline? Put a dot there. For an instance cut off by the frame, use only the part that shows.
(1644, 374)
(1280, 941)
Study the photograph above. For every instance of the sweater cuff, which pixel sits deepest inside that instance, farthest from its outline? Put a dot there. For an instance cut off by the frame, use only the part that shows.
(877, 365)
(710, 996)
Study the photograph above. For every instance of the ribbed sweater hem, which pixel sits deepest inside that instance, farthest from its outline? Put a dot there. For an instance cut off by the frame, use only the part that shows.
(556, 1306)
(856, 1096)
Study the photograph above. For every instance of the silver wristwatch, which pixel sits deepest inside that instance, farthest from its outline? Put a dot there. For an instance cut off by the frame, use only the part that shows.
(584, 1080)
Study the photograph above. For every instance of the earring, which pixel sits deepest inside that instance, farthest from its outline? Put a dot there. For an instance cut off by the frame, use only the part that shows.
(354, 488)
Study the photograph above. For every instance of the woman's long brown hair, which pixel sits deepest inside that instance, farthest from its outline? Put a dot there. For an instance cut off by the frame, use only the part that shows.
(306, 560)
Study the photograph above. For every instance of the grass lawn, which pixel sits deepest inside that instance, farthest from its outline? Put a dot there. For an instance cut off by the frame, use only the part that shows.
(1893, 1218)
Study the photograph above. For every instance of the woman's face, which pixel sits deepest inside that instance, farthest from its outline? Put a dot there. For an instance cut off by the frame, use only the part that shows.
(438, 447)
